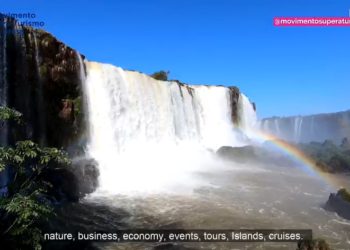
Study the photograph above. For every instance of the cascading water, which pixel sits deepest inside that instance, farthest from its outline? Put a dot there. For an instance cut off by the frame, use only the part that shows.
(265, 125)
(39, 93)
(297, 128)
(247, 115)
(3, 96)
(304, 129)
(3, 77)
(146, 134)
(277, 127)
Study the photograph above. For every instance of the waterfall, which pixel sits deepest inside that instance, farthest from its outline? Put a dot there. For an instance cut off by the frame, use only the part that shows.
(82, 76)
(290, 129)
(312, 126)
(298, 122)
(39, 93)
(36, 53)
(3, 77)
(3, 97)
(300, 129)
(145, 133)
(248, 121)
(247, 114)
(277, 127)
(265, 125)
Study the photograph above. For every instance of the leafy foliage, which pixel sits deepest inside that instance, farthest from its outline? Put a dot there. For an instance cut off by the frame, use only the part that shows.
(345, 194)
(328, 156)
(26, 205)
(28, 161)
(9, 114)
(161, 75)
(78, 106)
(315, 244)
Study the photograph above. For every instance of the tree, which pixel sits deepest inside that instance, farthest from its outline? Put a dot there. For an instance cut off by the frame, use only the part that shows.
(7, 114)
(26, 203)
(161, 75)
(315, 244)
(345, 144)
(344, 194)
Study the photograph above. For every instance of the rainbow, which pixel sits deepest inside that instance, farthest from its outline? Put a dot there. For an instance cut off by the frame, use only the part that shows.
(308, 164)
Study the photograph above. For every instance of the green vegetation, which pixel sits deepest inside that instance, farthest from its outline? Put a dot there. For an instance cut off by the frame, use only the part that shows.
(328, 156)
(78, 107)
(161, 75)
(26, 204)
(344, 194)
(315, 244)
(7, 114)
(345, 144)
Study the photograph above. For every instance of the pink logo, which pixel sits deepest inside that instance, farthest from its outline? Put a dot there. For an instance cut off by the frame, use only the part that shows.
(312, 21)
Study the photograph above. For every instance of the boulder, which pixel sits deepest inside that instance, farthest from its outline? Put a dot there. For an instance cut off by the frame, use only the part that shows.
(256, 154)
(339, 203)
(74, 182)
(87, 173)
(239, 154)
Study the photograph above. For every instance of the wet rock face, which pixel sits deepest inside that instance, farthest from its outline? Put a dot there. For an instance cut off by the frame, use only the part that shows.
(86, 171)
(43, 82)
(234, 96)
(67, 111)
(74, 182)
(59, 73)
(41, 78)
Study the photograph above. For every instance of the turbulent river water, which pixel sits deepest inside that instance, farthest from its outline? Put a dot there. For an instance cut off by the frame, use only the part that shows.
(235, 196)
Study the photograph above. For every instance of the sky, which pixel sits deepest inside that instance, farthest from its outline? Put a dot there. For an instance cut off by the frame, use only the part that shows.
(284, 70)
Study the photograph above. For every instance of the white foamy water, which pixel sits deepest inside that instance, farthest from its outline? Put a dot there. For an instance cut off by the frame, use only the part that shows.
(247, 116)
(239, 197)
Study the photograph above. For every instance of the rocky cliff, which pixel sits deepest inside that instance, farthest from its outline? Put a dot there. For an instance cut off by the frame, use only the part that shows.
(320, 127)
(339, 203)
(41, 77)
